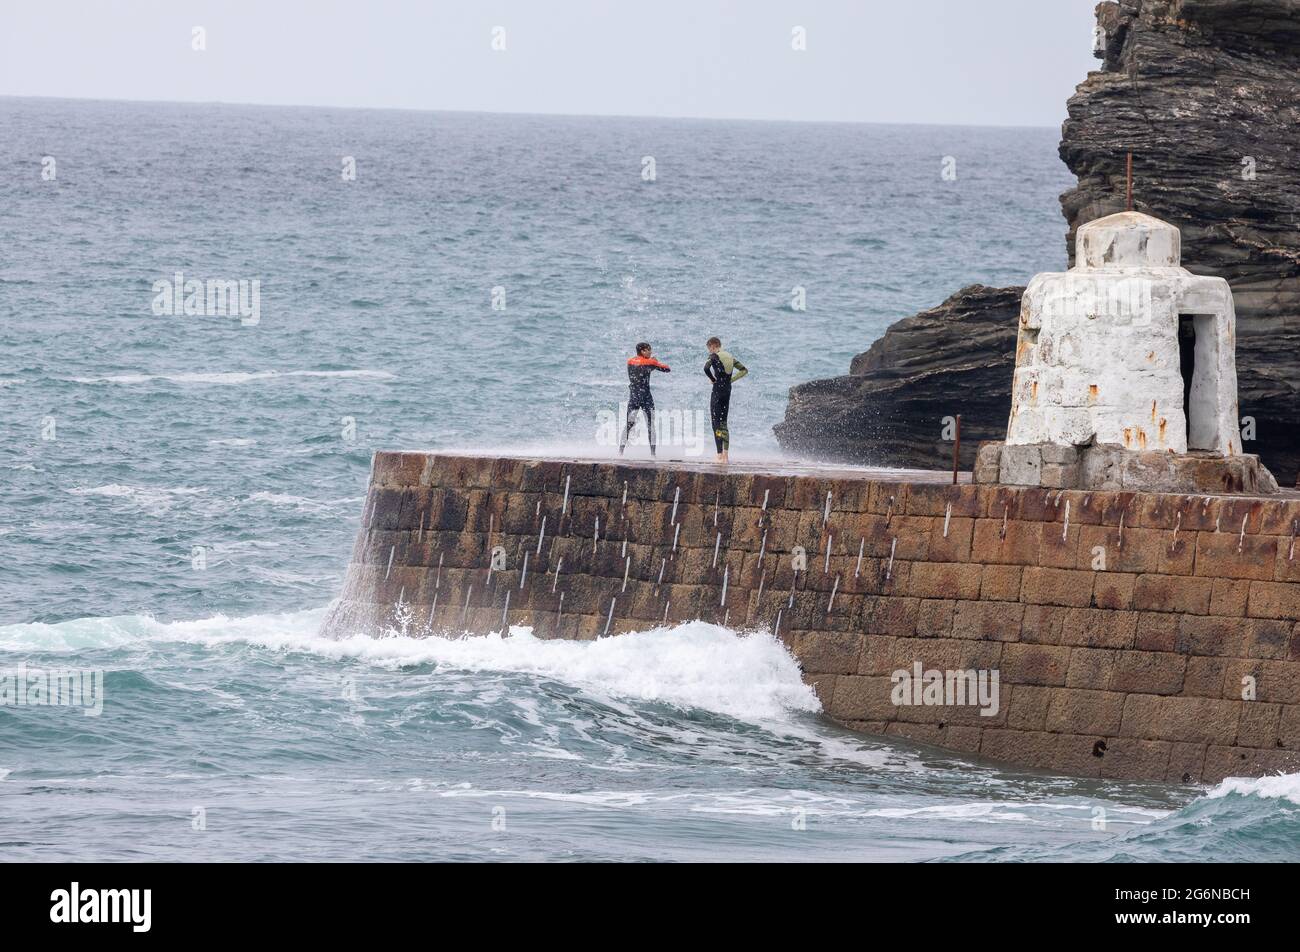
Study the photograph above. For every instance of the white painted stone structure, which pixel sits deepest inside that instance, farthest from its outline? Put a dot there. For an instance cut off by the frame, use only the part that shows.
(1104, 348)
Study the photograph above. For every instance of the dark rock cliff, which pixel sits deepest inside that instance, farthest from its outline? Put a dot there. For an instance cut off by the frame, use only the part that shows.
(1206, 95)
(891, 406)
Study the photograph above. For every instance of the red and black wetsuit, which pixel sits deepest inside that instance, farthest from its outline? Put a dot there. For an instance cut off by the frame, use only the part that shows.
(639, 397)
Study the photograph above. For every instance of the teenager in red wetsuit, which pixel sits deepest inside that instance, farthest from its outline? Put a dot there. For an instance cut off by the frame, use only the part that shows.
(639, 369)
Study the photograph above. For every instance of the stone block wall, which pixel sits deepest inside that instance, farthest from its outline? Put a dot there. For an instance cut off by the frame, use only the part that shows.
(1133, 635)
(1105, 467)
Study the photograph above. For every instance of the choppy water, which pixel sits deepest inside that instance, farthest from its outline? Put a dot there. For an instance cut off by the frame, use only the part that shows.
(192, 513)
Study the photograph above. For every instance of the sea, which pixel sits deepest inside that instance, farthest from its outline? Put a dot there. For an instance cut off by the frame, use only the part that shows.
(212, 315)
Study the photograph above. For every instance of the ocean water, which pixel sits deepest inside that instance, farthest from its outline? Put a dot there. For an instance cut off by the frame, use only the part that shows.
(180, 492)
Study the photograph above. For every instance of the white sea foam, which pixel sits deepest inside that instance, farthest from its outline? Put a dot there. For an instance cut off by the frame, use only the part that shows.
(117, 489)
(153, 498)
(694, 665)
(999, 810)
(302, 502)
(1276, 787)
(750, 678)
(230, 377)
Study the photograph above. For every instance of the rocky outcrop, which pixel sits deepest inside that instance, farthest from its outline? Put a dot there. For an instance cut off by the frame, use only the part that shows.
(1206, 95)
(891, 408)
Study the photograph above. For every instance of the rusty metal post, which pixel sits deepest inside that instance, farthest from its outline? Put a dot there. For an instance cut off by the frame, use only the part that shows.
(956, 451)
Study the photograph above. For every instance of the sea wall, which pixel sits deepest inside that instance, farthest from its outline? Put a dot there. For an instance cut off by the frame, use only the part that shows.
(1132, 635)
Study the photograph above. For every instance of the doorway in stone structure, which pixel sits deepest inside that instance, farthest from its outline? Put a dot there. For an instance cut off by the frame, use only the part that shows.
(1198, 363)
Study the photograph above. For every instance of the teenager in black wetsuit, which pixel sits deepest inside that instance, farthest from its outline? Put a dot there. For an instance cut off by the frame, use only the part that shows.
(639, 369)
(723, 370)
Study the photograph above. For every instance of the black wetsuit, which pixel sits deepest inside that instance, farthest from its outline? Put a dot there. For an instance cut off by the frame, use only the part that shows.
(639, 397)
(719, 369)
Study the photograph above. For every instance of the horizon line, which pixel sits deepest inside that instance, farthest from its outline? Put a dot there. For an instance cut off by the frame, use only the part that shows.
(557, 115)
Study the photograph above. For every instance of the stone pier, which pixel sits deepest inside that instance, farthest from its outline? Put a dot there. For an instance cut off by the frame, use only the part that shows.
(1133, 635)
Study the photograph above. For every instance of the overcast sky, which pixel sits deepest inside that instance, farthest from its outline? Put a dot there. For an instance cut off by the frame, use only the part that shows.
(984, 62)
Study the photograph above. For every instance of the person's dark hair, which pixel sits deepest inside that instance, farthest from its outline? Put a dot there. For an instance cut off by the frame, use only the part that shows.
(642, 347)
(712, 341)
